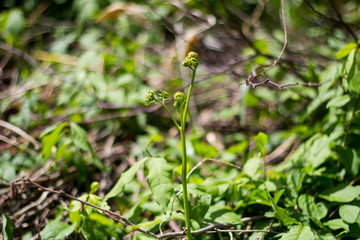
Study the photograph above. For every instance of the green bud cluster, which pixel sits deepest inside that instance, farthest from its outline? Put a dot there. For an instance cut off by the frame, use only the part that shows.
(192, 60)
(156, 95)
(179, 99)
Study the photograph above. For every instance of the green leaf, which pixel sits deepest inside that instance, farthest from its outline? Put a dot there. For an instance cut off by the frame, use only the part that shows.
(281, 213)
(355, 82)
(93, 230)
(298, 232)
(49, 140)
(261, 139)
(125, 178)
(204, 150)
(336, 224)
(350, 65)
(79, 136)
(338, 101)
(345, 50)
(310, 208)
(159, 177)
(252, 166)
(222, 214)
(8, 227)
(341, 193)
(57, 230)
(238, 148)
(351, 160)
(349, 213)
(201, 206)
(135, 211)
(15, 23)
(94, 187)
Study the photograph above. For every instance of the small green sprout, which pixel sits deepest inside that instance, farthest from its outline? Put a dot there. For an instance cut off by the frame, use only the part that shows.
(179, 100)
(156, 96)
(192, 60)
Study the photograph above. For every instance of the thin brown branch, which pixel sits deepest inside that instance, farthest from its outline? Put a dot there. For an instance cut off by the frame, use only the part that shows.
(251, 78)
(346, 26)
(206, 229)
(22, 133)
(268, 81)
(114, 216)
(26, 57)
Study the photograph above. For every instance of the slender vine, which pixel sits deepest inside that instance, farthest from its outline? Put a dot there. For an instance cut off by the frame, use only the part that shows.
(181, 103)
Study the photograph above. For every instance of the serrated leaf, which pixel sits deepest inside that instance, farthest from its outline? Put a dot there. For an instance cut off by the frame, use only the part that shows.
(341, 193)
(79, 137)
(349, 213)
(261, 139)
(345, 50)
(49, 140)
(57, 230)
(159, 178)
(310, 208)
(125, 178)
(7, 227)
(298, 232)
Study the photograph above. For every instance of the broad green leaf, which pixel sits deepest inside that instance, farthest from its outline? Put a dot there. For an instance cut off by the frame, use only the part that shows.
(79, 136)
(49, 140)
(338, 101)
(310, 208)
(349, 213)
(351, 160)
(201, 205)
(100, 218)
(336, 224)
(238, 148)
(159, 177)
(355, 82)
(341, 193)
(222, 214)
(136, 210)
(252, 166)
(261, 139)
(57, 230)
(7, 227)
(125, 178)
(93, 230)
(345, 50)
(281, 213)
(204, 150)
(298, 232)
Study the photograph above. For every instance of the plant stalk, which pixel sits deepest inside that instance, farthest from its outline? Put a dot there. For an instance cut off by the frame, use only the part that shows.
(184, 158)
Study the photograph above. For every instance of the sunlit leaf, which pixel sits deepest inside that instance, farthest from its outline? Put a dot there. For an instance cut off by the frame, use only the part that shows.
(159, 177)
(349, 213)
(345, 50)
(125, 178)
(298, 232)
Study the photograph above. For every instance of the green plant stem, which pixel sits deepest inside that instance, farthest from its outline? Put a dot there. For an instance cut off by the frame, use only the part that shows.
(183, 116)
(172, 116)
